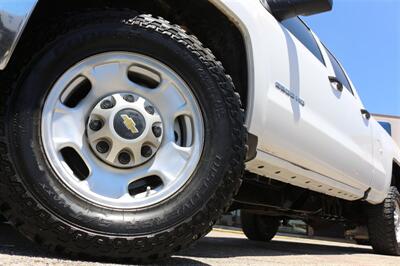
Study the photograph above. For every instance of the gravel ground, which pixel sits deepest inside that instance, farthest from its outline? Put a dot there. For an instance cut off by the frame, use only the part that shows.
(220, 247)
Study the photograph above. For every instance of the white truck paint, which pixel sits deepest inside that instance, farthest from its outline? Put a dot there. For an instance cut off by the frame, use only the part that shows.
(327, 145)
(312, 128)
(393, 122)
(310, 134)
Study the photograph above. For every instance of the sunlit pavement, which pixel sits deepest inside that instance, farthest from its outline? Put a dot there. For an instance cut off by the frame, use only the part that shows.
(220, 247)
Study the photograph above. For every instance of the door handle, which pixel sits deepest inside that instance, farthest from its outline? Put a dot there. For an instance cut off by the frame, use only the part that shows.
(334, 80)
(365, 113)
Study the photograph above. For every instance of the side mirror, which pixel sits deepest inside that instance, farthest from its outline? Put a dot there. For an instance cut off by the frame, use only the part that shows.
(284, 9)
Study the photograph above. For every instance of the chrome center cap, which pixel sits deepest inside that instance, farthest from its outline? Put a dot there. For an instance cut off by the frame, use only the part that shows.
(125, 130)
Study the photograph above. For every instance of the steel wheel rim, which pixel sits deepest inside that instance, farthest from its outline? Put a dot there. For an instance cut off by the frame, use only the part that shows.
(175, 159)
(396, 218)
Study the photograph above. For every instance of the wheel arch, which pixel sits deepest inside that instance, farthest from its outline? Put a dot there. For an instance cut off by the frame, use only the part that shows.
(396, 174)
(204, 19)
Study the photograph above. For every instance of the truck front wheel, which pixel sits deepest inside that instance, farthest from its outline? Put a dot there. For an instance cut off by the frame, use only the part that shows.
(259, 227)
(384, 224)
(123, 139)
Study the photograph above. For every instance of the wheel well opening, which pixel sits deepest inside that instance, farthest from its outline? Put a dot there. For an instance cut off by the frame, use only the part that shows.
(396, 175)
(200, 18)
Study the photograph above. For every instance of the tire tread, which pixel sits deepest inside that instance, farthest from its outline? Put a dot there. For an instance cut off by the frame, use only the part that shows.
(381, 225)
(19, 205)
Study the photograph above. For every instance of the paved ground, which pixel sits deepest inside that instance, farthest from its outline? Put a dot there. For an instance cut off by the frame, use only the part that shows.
(218, 248)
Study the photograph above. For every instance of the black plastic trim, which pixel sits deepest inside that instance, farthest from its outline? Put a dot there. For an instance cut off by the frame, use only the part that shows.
(366, 194)
(284, 9)
(252, 143)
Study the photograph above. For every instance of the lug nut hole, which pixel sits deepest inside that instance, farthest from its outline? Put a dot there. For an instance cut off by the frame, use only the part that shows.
(129, 98)
(150, 109)
(124, 158)
(102, 147)
(107, 104)
(157, 131)
(96, 125)
(147, 151)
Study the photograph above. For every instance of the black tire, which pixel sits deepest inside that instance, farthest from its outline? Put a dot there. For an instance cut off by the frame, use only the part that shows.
(259, 227)
(381, 226)
(363, 242)
(44, 210)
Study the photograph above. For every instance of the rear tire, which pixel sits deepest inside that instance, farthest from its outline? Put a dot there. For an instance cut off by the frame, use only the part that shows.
(43, 208)
(363, 242)
(259, 227)
(384, 224)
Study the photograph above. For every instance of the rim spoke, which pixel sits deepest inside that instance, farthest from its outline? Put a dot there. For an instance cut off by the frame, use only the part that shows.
(397, 221)
(113, 154)
(103, 113)
(101, 134)
(63, 118)
(169, 121)
(170, 161)
(171, 105)
(108, 184)
(169, 101)
(108, 78)
(140, 172)
(90, 161)
(137, 154)
(151, 139)
(156, 119)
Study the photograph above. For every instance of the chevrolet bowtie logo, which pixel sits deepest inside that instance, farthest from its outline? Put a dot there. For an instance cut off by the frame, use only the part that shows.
(130, 124)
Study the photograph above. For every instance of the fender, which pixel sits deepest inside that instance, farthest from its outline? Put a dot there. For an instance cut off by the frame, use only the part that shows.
(14, 20)
(246, 15)
(12, 24)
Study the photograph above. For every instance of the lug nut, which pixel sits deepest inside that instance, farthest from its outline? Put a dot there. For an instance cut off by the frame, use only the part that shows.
(129, 98)
(150, 109)
(157, 131)
(147, 151)
(102, 147)
(95, 125)
(107, 104)
(124, 158)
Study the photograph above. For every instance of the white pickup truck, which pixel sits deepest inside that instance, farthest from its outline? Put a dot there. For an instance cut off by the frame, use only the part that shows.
(123, 136)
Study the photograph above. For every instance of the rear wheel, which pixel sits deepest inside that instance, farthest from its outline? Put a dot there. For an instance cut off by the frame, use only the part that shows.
(363, 242)
(384, 224)
(123, 140)
(259, 227)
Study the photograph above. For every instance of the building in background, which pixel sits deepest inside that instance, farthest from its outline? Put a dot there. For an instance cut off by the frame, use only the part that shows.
(391, 124)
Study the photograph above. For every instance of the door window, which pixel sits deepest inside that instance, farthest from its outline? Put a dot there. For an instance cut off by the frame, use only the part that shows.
(339, 72)
(386, 126)
(297, 27)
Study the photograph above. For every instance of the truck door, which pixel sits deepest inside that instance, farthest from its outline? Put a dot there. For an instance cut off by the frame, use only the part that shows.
(383, 159)
(311, 122)
(355, 123)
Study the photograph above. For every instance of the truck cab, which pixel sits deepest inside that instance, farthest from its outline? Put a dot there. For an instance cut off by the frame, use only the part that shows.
(128, 127)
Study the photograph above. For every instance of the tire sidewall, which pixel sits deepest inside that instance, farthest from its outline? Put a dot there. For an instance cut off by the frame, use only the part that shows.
(45, 187)
(396, 199)
(381, 226)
